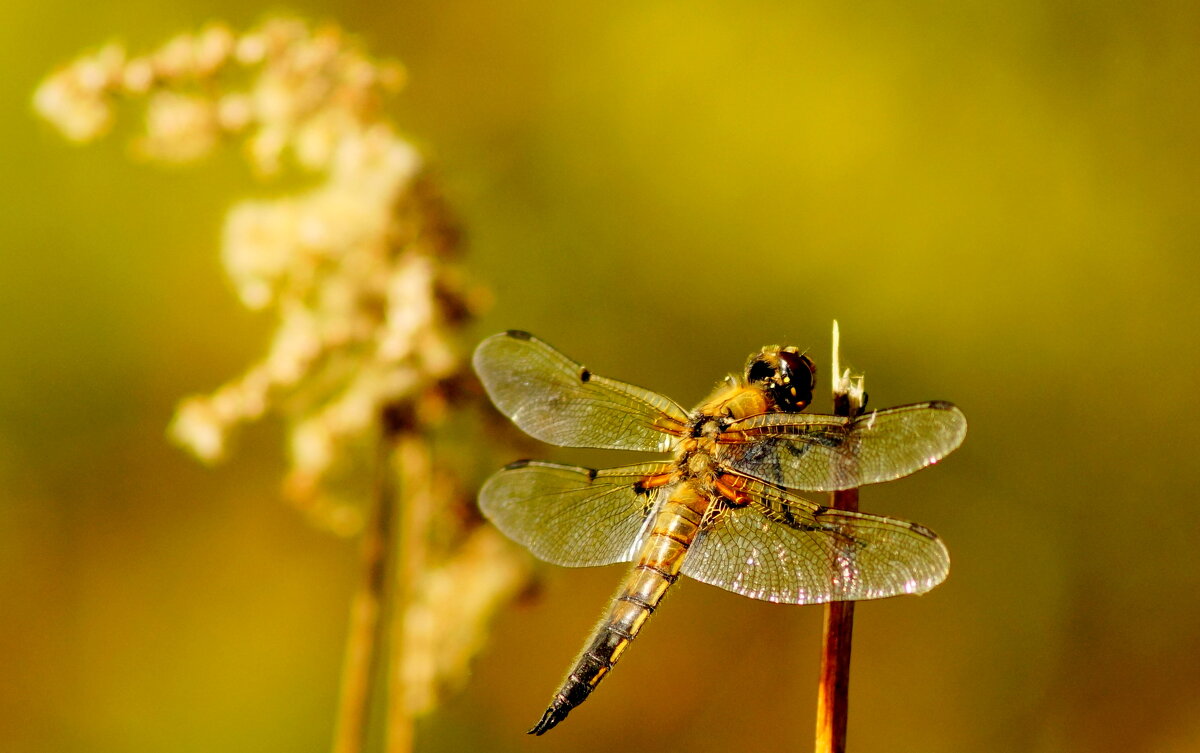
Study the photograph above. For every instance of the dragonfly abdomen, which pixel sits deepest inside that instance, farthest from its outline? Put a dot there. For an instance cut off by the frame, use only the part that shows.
(657, 567)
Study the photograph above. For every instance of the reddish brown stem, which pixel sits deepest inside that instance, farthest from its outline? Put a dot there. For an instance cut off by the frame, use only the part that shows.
(833, 689)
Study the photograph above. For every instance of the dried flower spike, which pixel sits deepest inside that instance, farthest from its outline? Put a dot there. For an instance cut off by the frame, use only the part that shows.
(361, 272)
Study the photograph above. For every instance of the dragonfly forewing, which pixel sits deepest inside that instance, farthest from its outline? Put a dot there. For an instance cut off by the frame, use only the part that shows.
(826, 453)
(559, 401)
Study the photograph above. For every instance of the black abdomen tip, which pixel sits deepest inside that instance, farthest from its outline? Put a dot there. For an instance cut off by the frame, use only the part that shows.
(550, 720)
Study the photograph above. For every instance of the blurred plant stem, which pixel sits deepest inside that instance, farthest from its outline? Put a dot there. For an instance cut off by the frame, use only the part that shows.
(413, 465)
(364, 639)
(394, 552)
(833, 685)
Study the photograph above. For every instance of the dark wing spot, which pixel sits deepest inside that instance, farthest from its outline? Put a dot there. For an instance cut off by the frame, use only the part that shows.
(517, 464)
(763, 459)
(519, 334)
(591, 474)
(584, 374)
(795, 449)
(941, 405)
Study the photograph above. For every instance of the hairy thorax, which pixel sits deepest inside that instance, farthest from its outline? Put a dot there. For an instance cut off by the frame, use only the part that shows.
(697, 454)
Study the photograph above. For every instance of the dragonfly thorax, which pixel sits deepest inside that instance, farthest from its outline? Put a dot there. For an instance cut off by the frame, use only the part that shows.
(705, 426)
(696, 455)
(699, 464)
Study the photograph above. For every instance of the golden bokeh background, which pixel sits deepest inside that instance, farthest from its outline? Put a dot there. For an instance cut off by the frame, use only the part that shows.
(998, 201)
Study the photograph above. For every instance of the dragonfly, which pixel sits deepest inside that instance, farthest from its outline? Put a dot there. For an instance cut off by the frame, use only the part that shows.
(725, 508)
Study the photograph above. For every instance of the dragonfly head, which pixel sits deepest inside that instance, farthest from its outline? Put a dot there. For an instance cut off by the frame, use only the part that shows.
(786, 374)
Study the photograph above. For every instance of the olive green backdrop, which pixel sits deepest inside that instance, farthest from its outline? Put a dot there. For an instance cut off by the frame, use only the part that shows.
(998, 201)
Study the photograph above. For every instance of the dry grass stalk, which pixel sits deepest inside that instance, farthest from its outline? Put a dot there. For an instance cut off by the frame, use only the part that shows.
(367, 363)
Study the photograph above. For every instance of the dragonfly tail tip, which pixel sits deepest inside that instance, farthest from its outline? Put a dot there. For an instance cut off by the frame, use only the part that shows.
(549, 720)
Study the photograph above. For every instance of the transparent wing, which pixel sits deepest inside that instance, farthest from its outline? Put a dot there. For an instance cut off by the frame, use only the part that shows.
(785, 549)
(570, 516)
(556, 400)
(826, 453)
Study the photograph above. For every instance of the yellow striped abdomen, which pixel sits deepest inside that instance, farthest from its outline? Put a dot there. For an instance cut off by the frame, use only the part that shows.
(656, 568)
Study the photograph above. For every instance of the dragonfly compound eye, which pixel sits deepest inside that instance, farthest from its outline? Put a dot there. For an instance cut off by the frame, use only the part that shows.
(797, 377)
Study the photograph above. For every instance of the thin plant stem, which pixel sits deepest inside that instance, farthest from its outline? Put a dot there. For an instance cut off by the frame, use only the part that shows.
(833, 689)
(364, 639)
(414, 468)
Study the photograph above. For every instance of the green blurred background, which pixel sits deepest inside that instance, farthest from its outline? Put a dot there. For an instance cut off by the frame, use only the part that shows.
(998, 201)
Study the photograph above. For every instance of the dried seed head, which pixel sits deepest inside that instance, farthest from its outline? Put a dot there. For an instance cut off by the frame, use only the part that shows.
(359, 271)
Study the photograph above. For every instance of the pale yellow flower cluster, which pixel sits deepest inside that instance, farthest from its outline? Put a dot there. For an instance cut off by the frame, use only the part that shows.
(360, 271)
(303, 88)
(358, 283)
